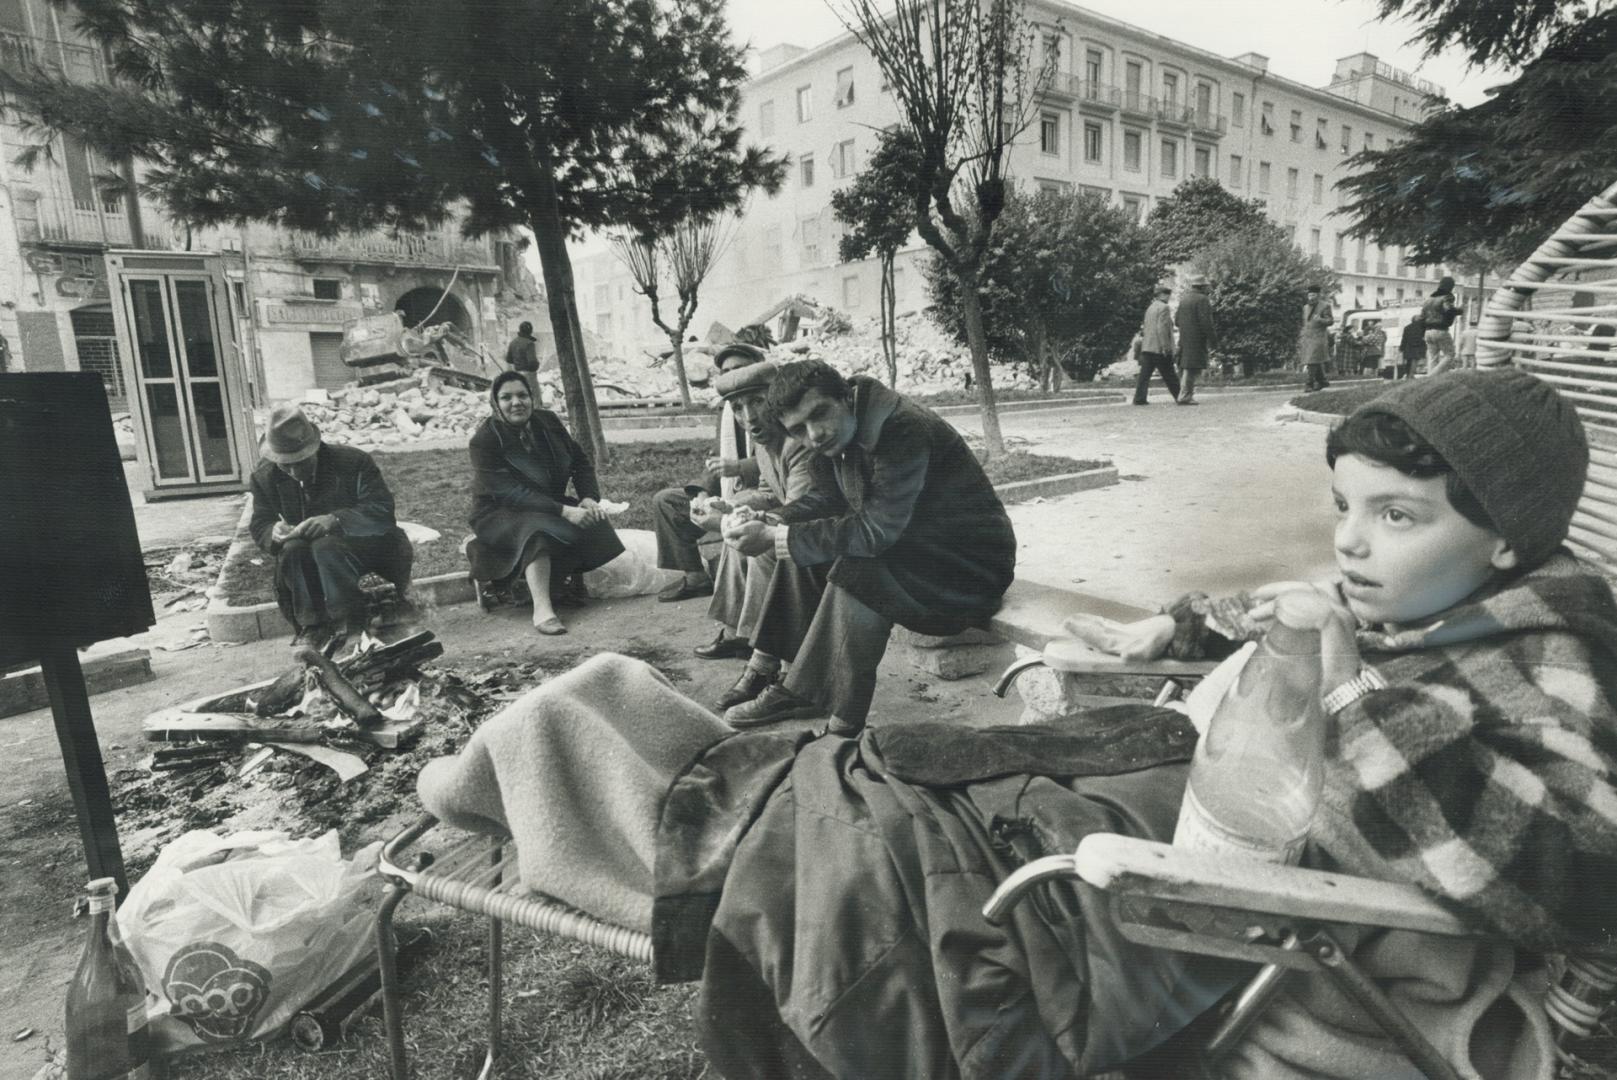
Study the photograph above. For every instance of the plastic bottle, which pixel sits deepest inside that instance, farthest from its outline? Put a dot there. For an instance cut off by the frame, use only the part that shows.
(106, 1001)
(1256, 777)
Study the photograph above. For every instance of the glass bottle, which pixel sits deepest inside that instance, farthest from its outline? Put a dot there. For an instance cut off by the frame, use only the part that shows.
(106, 1001)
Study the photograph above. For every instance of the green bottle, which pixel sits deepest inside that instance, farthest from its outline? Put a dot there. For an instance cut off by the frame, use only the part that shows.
(106, 1002)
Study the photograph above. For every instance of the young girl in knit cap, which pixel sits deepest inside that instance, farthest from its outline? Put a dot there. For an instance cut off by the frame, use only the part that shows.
(827, 890)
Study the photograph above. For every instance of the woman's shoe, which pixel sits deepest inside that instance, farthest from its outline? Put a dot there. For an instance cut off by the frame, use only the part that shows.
(551, 627)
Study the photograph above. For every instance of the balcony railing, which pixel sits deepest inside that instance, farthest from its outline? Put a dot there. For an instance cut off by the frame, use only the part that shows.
(1098, 96)
(407, 249)
(47, 211)
(1381, 268)
(1360, 266)
(78, 63)
(1138, 103)
(1209, 123)
(1171, 112)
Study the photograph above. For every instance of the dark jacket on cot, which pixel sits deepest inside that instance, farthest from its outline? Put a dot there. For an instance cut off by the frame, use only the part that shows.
(346, 483)
(907, 517)
(518, 492)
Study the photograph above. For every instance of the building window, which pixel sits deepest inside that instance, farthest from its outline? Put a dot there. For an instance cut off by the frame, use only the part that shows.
(1055, 187)
(1291, 234)
(1091, 141)
(766, 119)
(1263, 178)
(1369, 141)
(1313, 241)
(805, 169)
(1341, 246)
(1133, 76)
(1204, 99)
(1296, 125)
(1322, 137)
(845, 88)
(1291, 183)
(1050, 133)
(1170, 88)
(1319, 189)
(772, 246)
(603, 295)
(842, 159)
(1238, 109)
(1101, 193)
(850, 291)
(1266, 123)
(1346, 145)
(1204, 161)
(1134, 206)
(1170, 158)
(326, 288)
(811, 240)
(1092, 66)
(603, 324)
(1131, 151)
(805, 104)
(1235, 170)
(1051, 43)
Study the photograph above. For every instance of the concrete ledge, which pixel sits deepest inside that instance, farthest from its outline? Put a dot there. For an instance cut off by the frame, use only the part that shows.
(255, 622)
(24, 691)
(1062, 484)
(1032, 613)
(1306, 416)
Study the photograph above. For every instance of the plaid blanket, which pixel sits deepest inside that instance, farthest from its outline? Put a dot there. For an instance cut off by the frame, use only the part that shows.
(1487, 771)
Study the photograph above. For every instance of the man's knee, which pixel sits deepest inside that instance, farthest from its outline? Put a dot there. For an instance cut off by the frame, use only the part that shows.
(295, 550)
(672, 500)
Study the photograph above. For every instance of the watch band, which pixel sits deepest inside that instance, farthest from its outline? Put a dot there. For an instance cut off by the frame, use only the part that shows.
(1367, 680)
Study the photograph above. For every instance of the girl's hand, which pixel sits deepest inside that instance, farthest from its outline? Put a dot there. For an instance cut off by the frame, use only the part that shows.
(1321, 608)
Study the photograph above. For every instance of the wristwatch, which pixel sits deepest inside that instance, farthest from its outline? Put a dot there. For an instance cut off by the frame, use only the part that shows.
(1364, 682)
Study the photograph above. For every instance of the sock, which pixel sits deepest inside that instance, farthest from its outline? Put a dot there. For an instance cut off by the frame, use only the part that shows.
(763, 663)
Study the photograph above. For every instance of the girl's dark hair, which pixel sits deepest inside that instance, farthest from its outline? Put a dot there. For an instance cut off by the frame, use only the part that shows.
(1387, 440)
(798, 378)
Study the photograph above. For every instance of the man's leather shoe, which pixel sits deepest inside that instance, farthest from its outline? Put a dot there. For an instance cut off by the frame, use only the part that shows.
(747, 688)
(682, 590)
(772, 706)
(724, 648)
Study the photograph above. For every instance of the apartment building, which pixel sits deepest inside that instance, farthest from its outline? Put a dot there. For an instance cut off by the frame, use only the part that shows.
(1128, 116)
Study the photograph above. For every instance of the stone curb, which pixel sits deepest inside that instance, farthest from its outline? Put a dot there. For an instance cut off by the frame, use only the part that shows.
(255, 622)
(1306, 416)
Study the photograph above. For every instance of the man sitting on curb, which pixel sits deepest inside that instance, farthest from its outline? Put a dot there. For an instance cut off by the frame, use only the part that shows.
(326, 515)
(785, 467)
(904, 516)
(683, 544)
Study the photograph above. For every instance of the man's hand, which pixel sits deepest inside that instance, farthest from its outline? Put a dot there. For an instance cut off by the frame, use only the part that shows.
(316, 527)
(281, 533)
(723, 466)
(752, 537)
(1319, 607)
(593, 511)
(1147, 639)
(707, 511)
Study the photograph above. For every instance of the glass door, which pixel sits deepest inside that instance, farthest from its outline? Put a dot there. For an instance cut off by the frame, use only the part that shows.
(174, 324)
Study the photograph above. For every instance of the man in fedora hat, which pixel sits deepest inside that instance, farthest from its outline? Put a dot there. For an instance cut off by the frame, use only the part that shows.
(1196, 334)
(1156, 345)
(683, 544)
(326, 515)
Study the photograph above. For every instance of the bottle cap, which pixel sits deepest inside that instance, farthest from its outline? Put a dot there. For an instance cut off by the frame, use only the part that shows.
(102, 885)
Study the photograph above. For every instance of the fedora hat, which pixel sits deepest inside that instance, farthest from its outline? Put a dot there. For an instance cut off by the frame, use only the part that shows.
(290, 436)
(1197, 279)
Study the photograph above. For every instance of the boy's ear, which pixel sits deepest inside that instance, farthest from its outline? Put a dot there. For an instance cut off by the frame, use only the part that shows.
(1504, 556)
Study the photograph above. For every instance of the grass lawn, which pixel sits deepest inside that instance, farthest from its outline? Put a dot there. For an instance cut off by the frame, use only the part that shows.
(432, 488)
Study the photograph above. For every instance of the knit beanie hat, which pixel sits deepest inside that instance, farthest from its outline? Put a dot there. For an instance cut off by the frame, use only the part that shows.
(1515, 443)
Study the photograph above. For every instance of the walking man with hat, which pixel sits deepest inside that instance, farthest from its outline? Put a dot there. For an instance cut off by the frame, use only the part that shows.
(1196, 334)
(326, 515)
(1156, 345)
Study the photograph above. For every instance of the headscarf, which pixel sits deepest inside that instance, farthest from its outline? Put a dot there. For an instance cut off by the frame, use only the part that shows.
(504, 430)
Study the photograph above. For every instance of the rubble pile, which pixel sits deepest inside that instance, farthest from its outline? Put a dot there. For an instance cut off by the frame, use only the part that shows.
(180, 577)
(420, 406)
(929, 360)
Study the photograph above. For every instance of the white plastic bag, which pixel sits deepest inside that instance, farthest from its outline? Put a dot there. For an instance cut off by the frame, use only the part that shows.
(634, 573)
(235, 934)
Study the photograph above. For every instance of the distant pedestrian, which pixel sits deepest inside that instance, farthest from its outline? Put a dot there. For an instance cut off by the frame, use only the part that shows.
(1437, 314)
(1468, 345)
(523, 352)
(1196, 334)
(1156, 346)
(1374, 348)
(1412, 347)
(1314, 342)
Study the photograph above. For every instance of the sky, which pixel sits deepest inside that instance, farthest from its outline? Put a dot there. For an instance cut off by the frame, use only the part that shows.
(1302, 38)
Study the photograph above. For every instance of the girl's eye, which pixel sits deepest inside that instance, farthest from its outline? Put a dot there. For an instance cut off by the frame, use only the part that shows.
(1397, 516)
(1341, 505)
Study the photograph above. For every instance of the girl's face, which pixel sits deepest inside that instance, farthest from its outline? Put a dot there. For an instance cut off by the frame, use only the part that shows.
(1404, 551)
(514, 401)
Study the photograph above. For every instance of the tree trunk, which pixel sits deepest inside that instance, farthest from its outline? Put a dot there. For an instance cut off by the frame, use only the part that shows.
(889, 319)
(972, 308)
(677, 339)
(550, 239)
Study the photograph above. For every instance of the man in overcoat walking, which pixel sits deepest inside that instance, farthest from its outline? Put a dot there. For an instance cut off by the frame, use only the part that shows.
(1314, 342)
(1197, 334)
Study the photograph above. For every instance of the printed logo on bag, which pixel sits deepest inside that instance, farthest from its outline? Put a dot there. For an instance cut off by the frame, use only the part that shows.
(214, 991)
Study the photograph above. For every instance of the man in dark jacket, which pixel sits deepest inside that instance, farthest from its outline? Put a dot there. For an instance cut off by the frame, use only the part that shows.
(326, 515)
(901, 523)
(1412, 347)
(683, 544)
(523, 352)
(1197, 334)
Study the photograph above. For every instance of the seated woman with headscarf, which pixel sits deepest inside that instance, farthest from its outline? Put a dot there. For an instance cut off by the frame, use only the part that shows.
(523, 518)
